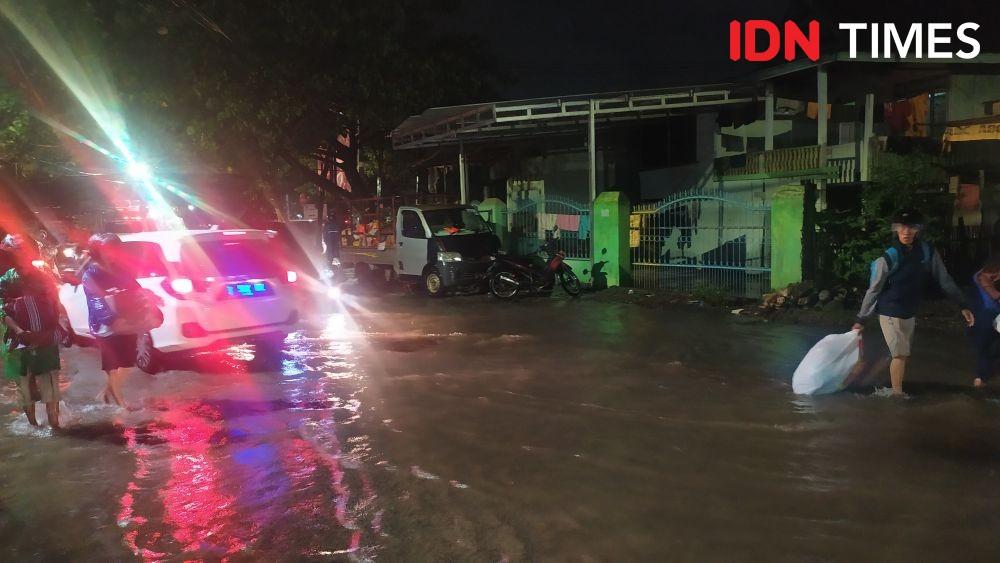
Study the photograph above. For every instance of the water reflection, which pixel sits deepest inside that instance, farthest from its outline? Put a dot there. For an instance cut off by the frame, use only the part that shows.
(258, 467)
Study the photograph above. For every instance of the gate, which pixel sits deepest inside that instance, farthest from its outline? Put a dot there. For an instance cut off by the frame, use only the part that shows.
(563, 221)
(702, 242)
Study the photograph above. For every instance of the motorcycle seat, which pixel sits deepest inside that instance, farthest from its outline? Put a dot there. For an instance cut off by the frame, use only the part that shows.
(516, 260)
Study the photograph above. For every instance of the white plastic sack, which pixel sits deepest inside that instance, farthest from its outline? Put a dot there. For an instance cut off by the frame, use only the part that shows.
(828, 364)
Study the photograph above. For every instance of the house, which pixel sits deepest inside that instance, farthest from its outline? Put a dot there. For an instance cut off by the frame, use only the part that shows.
(702, 164)
(826, 122)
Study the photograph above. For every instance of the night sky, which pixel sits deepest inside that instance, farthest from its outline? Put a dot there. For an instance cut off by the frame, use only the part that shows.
(555, 47)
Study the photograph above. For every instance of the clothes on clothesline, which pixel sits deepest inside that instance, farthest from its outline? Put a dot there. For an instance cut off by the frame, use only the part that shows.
(568, 222)
(908, 117)
(584, 231)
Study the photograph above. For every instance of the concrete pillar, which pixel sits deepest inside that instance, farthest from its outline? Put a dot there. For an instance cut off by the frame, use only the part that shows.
(592, 150)
(769, 117)
(612, 257)
(787, 215)
(494, 210)
(866, 138)
(821, 100)
(463, 183)
(822, 138)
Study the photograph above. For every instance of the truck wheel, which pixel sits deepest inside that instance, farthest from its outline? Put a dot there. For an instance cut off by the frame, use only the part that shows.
(147, 357)
(388, 275)
(433, 284)
(365, 276)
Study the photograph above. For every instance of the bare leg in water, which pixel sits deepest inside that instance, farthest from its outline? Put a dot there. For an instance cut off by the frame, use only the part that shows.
(112, 391)
(897, 369)
(29, 412)
(52, 410)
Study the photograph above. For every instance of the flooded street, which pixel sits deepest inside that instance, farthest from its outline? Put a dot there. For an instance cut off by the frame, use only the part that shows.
(408, 429)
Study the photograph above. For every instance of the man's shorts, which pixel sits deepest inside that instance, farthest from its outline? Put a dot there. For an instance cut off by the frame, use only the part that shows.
(31, 361)
(898, 334)
(117, 351)
(47, 384)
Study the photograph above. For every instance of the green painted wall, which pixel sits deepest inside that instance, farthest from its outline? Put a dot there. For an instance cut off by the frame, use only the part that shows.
(967, 94)
(581, 268)
(612, 259)
(787, 213)
(494, 210)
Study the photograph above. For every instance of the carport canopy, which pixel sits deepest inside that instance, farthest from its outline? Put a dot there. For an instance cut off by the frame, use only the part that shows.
(527, 118)
(457, 125)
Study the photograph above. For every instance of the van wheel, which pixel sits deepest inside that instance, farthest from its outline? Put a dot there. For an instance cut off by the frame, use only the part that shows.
(433, 284)
(147, 357)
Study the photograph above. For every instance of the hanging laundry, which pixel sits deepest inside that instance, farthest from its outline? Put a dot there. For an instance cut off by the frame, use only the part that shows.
(908, 117)
(584, 231)
(897, 115)
(812, 110)
(921, 108)
(568, 222)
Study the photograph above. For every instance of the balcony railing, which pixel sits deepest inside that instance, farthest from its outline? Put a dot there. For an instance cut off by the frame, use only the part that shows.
(831, 163)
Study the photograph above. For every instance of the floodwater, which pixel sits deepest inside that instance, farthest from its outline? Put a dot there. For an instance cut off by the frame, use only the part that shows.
(466, 429)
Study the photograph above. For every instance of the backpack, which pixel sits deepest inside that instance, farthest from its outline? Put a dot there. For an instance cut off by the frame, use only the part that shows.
(35, 308)
(891, 256)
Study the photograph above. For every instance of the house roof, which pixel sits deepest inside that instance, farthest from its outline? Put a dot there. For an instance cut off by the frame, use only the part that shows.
(843, 56)
(540, 116)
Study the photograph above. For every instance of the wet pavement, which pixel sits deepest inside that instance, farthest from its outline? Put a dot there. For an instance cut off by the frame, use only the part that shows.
(465, 429)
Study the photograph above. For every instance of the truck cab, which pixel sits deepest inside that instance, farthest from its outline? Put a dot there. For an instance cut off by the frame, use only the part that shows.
(440, 247)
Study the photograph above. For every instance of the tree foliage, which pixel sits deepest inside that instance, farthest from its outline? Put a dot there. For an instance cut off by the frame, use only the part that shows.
(260, 88)
(851, 239)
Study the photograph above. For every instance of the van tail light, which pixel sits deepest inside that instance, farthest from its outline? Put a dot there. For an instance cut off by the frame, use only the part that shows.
(292, 276)
(193, 330)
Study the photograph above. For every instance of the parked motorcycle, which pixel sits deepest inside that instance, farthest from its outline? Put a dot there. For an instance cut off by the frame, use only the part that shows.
(510, 275)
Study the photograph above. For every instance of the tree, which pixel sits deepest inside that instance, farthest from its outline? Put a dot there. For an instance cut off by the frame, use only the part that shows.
(853, 238)
(267, 89)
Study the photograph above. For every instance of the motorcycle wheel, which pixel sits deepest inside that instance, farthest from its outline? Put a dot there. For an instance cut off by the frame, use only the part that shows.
(570, 283)
(502, 288)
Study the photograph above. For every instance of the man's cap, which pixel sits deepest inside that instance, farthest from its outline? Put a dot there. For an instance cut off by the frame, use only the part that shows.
(908, 217)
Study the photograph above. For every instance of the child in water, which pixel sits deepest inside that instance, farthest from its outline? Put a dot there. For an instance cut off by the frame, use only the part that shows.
(984, 335)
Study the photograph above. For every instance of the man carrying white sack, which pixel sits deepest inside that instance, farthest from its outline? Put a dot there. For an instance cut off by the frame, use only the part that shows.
(896, 288)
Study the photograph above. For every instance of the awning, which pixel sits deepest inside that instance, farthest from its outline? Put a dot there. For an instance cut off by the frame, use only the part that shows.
(547, 116)
(981, 129)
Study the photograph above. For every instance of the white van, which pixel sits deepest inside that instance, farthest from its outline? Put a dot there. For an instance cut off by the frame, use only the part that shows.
(215, 288)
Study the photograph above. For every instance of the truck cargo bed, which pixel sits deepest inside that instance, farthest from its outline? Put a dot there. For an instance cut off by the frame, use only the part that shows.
(351, 256)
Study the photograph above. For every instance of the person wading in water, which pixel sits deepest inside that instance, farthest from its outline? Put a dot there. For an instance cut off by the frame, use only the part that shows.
(896, 288)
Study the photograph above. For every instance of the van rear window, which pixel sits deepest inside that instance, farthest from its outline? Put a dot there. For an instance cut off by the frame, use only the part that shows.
(255, 258)
(143, 259)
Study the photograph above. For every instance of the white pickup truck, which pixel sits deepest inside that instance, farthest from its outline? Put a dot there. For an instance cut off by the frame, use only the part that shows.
(441, 247)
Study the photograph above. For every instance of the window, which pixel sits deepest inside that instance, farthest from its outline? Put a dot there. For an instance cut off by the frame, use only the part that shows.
(412, 227)
(937, 114)
(252, 258)
(144, 259)
(456, 221)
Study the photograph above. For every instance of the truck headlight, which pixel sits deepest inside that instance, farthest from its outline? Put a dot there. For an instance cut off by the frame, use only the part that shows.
(449, 257)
